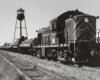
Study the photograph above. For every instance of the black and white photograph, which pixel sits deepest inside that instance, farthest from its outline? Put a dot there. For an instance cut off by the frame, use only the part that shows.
(49, 40)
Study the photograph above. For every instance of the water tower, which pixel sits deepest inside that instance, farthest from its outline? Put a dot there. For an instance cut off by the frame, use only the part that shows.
(20, 17)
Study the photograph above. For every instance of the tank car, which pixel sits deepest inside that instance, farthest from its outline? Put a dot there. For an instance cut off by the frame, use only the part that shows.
(15, 45)
(27, 46)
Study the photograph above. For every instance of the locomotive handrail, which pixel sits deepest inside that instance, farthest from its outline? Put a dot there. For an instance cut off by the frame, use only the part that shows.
(76, 35)
(95, 35)
(79, 31)
(58, 34)
(48, 42)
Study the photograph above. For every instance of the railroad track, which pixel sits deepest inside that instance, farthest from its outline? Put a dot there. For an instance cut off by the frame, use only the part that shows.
(42, 72)
(33, 71)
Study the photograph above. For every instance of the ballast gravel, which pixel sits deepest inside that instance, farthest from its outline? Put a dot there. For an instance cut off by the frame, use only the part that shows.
(67, 71)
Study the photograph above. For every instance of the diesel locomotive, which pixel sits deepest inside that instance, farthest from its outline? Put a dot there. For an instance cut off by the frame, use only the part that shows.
(71, 36)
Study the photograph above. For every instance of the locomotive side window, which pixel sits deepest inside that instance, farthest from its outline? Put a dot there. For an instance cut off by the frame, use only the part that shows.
(48, 39)
(53, 25)
(44, 40)
(39, 38)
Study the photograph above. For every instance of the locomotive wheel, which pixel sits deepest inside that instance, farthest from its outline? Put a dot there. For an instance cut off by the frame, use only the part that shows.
(30, 53)
(48, 54)
(67, 57)
(39, 55)
(18, 50)
(49, 58)
(35, 52)
(21, 52)
(55, 56)
(80, 64)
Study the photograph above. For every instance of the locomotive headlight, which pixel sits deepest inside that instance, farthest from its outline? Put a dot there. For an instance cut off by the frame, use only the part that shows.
(86, 20)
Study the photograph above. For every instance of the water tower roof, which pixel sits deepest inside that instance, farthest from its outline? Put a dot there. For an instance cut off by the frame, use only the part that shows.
(20, 9)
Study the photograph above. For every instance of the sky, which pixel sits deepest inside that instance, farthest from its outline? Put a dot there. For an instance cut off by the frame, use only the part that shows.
(38, 14)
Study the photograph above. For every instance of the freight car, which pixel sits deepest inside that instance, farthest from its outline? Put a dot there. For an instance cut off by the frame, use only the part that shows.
(27, 46)
(15, 45)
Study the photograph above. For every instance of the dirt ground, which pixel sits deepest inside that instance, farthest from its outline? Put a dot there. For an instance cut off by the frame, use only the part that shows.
(8, 72)
(67, 71)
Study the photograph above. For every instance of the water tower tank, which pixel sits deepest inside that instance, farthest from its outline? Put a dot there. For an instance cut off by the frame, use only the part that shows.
(20, 14)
